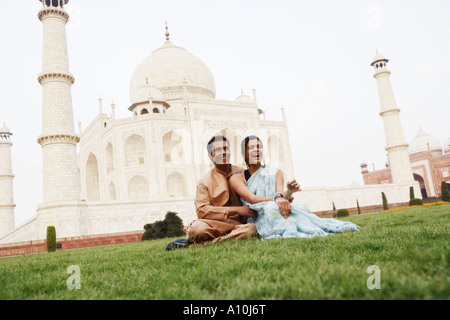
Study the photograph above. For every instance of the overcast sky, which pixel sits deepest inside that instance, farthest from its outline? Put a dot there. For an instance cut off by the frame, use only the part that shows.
(310, 57)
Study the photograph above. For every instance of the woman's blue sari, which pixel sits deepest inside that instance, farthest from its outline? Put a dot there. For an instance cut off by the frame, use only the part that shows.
(301, 223)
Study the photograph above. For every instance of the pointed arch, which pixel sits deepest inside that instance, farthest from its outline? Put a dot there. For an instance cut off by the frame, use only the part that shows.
(92, 179)
(138, 188)
(109, 158)
(135, 151)
(176, 185)
(422, 186)
(275, 152)
(112, 191)
(172, 147)
(235, 144)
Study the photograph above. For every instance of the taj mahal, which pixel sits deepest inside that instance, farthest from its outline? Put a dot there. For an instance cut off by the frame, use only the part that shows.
(130, 171)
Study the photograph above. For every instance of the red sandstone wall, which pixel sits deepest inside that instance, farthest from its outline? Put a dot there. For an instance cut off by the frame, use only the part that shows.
(377, 177)
(366, 209)
(436, 163)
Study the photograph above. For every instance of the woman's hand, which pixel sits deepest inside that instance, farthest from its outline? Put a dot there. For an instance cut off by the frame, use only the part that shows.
(284, 205)
(293, 186)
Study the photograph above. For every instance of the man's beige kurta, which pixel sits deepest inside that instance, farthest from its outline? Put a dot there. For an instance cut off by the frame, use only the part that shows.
(213, 200)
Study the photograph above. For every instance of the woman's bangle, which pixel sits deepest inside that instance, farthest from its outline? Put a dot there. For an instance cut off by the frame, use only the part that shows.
(276, 194)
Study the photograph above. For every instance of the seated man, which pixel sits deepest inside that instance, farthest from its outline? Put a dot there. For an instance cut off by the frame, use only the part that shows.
(220, 212)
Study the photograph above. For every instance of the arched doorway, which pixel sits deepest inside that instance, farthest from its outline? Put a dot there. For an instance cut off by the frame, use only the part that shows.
(172, 147)
(92, 179)
(423, 189)
(176, 185)
(234, 140)
(135, 151)
(138, 188)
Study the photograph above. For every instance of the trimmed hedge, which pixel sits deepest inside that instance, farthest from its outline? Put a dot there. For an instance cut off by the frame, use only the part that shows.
(415, 202)
(445, 194)
(411, 193)
(51, 239)
(385, 202)
(342, 213)
(431, 200)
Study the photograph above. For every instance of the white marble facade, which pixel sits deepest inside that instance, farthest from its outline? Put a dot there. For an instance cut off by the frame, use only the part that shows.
(132, 171)
(150, 162)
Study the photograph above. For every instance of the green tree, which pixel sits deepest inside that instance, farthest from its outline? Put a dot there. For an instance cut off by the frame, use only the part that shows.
(385, 202)
(171, 226)
(411, 193)
(51, 239)
(174, 225)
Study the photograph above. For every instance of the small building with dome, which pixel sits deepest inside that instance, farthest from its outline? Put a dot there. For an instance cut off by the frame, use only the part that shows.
(430, 163)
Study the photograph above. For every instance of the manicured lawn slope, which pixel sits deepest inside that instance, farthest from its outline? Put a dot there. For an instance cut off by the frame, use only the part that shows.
(410, 247)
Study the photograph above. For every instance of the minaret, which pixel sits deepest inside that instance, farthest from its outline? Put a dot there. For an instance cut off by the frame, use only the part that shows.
(61, 186)
(6, 183)
(396, 146)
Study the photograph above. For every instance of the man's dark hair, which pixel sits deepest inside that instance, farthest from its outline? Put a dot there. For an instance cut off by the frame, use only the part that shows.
(244, 144)
(213, 139)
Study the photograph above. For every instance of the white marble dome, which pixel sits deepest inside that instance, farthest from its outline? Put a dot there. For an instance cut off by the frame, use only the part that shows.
(169, 69)
(422, 141)
(147, 93)
(244, 98)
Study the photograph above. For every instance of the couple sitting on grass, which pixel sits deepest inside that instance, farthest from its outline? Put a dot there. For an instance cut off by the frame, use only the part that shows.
(233, 203)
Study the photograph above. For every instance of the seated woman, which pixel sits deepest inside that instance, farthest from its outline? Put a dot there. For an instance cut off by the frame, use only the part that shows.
(261, 188)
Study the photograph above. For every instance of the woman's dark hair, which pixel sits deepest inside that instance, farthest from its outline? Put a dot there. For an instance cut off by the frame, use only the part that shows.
(213, 139)
(244, 144)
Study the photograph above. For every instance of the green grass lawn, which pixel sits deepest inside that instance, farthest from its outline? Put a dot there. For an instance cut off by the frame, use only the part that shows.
(410, 247)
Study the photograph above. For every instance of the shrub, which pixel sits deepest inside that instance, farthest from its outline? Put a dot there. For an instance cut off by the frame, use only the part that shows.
(342, 213)
(431, 200)
(411, 193)
(415, 202)
(334, 210)
(155, 230)
(51, 239)
(445, 194)
(171, 226)
(174, 225)
(385, 202)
